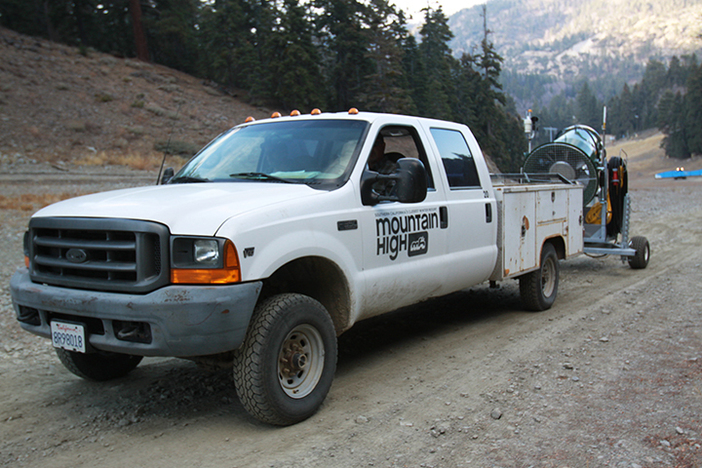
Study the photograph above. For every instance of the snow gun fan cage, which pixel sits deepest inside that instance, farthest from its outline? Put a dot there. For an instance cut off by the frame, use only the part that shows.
(578, 155)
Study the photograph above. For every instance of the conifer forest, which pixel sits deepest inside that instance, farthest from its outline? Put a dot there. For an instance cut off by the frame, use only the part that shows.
(338, 54)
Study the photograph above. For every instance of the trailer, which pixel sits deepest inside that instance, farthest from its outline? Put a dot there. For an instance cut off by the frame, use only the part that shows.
(578, 154)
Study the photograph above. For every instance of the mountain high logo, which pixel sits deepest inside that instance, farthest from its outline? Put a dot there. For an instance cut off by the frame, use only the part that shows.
(404, 232)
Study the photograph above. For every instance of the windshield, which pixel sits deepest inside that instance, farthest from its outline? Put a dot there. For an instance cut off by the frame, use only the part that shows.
(314, 152)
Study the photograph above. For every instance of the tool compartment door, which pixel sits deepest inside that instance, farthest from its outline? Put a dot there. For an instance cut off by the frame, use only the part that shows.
(519, 250)
(533, 214)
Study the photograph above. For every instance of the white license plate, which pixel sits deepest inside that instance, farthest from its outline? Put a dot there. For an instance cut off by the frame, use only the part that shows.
(68, 336)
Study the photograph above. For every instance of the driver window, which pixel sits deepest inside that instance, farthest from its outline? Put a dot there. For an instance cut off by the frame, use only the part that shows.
(394, 143)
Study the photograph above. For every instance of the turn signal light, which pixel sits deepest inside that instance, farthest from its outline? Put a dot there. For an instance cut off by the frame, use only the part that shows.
(230, 273)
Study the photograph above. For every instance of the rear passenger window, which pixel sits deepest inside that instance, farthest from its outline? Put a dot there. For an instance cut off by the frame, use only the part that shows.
(457, 158)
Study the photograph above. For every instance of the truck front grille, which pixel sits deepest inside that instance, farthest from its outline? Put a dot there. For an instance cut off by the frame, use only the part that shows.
(101, 254)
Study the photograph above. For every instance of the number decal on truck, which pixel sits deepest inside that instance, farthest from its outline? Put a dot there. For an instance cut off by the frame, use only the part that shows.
(404, 231)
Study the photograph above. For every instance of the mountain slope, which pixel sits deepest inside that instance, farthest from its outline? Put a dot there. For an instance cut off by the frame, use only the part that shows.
(59, 105)
(592, 38)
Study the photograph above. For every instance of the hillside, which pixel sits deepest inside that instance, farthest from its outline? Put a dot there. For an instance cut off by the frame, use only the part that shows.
(57, 105)
(607, 40)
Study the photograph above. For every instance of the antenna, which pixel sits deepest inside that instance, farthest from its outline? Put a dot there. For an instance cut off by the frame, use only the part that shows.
(168, 144)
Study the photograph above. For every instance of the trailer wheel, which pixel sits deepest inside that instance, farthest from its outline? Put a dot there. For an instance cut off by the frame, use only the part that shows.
(99, 366)
(643, 252)
(539, 288)
(284, 369)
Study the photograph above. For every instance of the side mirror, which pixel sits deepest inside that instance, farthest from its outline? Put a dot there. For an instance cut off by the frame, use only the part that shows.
(407, 184)
(168, 174)
(412, 181)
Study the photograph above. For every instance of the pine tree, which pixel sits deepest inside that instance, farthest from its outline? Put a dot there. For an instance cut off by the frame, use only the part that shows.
(386, 89)
(627, 112)
(652, 86)
(226, 42)
(671, 112)
(171, 31)
(587, 108)
(294, 67)
(489, 97)
(414, 72)
(693, 111)
(490, 63)
(343, 49)
(467, 102)
(26, 16)
(436, 56)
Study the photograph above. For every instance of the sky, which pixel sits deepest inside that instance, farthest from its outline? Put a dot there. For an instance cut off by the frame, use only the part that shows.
(414, 7)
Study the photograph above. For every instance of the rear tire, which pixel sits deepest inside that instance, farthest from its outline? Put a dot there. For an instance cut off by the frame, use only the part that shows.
(539, 288)
(285, 367)
(99, 366)
(643, 253)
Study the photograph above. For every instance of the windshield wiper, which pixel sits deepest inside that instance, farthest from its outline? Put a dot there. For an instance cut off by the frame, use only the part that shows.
(188, 180)
(258, 176)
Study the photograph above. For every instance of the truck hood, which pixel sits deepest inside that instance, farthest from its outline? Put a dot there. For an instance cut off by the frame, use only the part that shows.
(187, 209)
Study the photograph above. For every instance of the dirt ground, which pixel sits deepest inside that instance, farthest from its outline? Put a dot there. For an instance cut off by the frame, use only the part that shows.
(611, 376)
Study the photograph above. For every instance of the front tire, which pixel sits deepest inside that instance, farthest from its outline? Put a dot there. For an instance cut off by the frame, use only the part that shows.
(98, 367)
(285, 367)
(539, 288)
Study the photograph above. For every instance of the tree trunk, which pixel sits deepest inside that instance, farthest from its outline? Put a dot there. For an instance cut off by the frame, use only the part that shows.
(142, 49)
(51, 30)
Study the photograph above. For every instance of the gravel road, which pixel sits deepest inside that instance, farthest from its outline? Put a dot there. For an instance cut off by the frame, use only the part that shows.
(611, 376)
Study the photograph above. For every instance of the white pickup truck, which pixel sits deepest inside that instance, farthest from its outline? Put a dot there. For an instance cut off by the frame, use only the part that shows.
(277, 237)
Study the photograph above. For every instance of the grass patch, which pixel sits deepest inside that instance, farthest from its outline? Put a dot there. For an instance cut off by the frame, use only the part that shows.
(34, 202)
(104, 97)
(176, 147)
(138, 161)
(156, 110)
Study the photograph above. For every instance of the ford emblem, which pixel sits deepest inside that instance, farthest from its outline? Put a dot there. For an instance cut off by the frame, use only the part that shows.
(76, 255)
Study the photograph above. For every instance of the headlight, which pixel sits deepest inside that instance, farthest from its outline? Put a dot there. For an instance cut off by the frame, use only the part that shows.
(206, 252)
(197, 260)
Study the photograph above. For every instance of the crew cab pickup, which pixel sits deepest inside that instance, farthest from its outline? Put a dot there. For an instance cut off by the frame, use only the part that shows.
(276, 238)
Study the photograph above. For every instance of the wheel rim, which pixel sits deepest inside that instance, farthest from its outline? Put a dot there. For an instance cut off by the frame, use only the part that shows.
(548, 277)
(301, 361)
